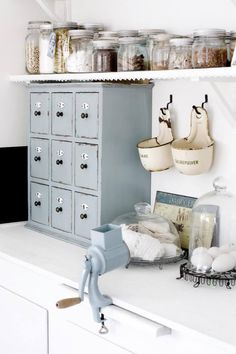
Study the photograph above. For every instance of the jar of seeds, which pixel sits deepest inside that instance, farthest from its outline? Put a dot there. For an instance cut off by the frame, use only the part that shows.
(32, 46)
(62, 45)
(209, 48)
(180, 56)
(132, 55)
(81, 48)
(104, 58)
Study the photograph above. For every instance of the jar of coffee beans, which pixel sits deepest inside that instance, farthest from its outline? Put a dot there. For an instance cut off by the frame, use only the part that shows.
(104, 58)
(32, 46)
(132, 55)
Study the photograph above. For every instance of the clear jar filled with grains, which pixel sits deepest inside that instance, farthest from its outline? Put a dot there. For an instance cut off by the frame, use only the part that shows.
(180, 56)
(47, 44)
(104, 58)
(62, 45)
(149, 35)
(32, 46)
(209, 48)
(132, 54)
(81, 49)
(160, 52)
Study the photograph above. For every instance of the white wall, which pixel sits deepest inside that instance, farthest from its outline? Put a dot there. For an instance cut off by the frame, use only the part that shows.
(14, 15)
(179, 16)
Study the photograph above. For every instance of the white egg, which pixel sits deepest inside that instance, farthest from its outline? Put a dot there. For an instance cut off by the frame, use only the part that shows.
(226, 248)
(202, 261)
(223, 263)
(199, 250)
(214, 252)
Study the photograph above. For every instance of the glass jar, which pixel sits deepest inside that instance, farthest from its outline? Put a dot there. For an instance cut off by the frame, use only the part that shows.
(127, 33)
(149, 35)
(213, 230)
(32, 46)
(132, 54)
(104, 57)
(47, 44)
(209, 48)
(160, 52)
(62, 45)
(94, 27)
(180, 56)
(232, 44)
(108, 35)
(81, 49)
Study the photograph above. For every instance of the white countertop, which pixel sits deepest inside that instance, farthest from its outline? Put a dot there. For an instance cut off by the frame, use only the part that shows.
(147, 291)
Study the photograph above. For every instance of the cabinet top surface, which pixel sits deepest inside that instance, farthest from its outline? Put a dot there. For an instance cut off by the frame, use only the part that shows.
(149, 292)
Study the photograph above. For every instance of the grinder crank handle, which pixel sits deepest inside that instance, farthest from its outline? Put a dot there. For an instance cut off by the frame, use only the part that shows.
(64, 303)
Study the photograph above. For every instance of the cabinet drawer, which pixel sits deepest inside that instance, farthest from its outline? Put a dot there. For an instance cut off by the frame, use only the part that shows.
(40, 203)
(39, 156)
(62, 161)
(87, 115)
(86, 166)
(39, 113)
(86, 214)
(62, 114)
(61, 209)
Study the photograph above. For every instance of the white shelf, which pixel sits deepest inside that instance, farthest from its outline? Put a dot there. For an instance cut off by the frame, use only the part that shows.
(191, 74)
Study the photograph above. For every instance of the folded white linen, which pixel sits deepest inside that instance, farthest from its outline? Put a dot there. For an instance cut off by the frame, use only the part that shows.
(161, 227)
(171, 250)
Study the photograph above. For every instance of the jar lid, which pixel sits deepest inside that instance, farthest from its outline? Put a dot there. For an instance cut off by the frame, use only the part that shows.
(180, 41)
(161, 37)
(46, 26)
(95, 27)
(104, 44)
(80, 34)
(149, 32)
(232, 34)
(37, 24)
(107, 34)
(65, 25)
(209, 32)
(128, 33)
(132, 40)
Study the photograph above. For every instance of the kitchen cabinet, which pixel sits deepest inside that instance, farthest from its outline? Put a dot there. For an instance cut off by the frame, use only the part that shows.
(84, 168)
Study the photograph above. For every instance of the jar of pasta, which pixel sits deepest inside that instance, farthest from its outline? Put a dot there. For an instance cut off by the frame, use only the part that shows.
(62, 45)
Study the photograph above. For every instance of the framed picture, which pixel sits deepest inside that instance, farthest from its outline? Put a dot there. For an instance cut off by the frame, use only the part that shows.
(178, 209)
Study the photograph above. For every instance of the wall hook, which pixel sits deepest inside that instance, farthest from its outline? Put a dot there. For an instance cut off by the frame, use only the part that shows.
(206, 100)
(171, 100)
(196, 110)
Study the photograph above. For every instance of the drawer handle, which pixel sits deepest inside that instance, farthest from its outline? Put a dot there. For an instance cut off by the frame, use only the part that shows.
(59, 162)
(59, 114)
(59, 209)
(83, 216)
(37, 158)
(37, 113)
(84, 115)
(83, 166)
(37, 203)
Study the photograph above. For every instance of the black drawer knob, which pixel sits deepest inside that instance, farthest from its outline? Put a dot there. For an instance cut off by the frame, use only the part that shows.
(83, 166)
(37, 158)
(37, 203)
(59, 162)
(59, 114)
(37, 113)
(59, 209)
(84, 115)
(83, 216)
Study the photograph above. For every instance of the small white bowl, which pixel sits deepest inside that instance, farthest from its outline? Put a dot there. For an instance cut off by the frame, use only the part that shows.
(155, 157)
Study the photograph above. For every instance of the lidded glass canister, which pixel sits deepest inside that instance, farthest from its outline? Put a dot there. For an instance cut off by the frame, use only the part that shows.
(180, 56)
(127, 33)
(81, 49)
(149, 35)
(209, 48)
(232, 44)
(104, 57)
(132, 54)
(213, 231)
(32, 46)
(94, 27)
(62, 45)
(160, 52)
(107, 35)
(47, 45)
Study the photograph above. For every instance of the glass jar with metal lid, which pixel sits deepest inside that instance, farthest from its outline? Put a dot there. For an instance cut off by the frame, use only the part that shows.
(104, 58)
(209, 48)
(180, 56)
(62, 45)
(160, 52)
(132, 54)
(95, 27)
(81, 49)
(127, 33)
(149, 35)
(107, 34)
(32, 46)
(47, 44)
(232, 44)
